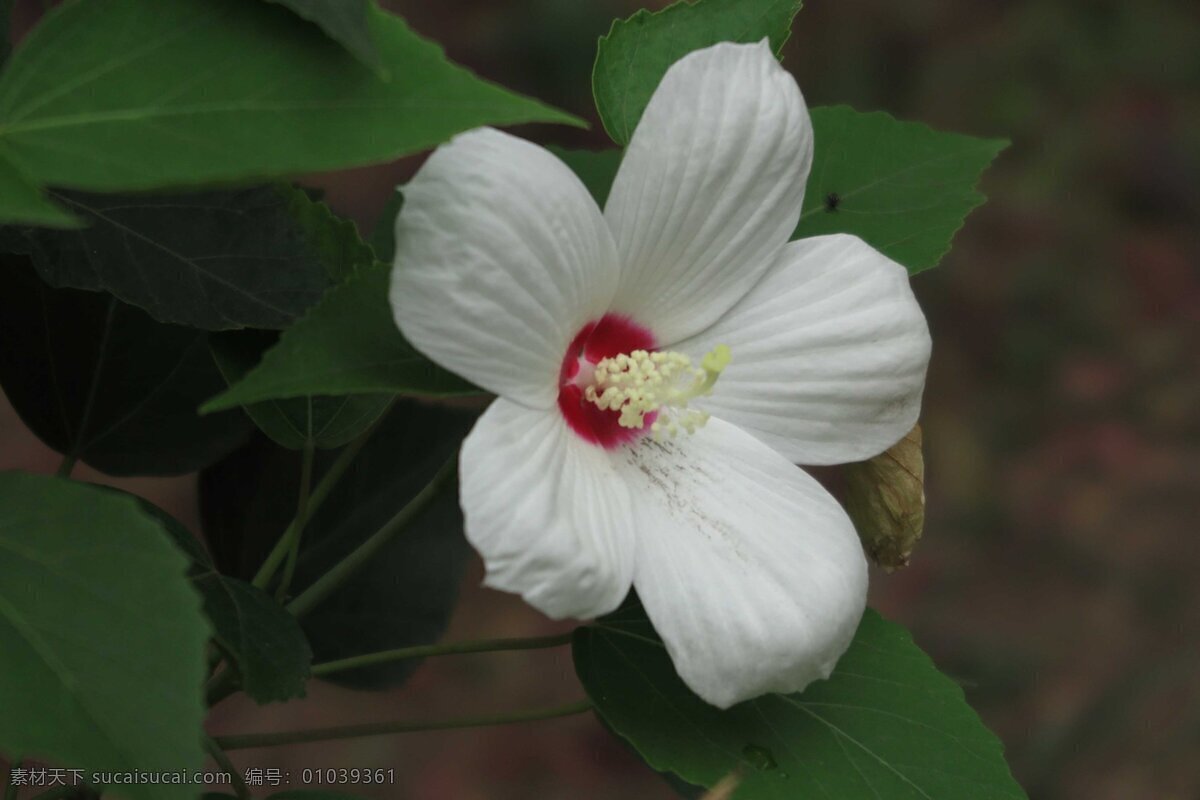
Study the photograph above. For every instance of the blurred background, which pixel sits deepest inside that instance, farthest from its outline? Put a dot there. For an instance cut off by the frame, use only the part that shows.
(1056, 581)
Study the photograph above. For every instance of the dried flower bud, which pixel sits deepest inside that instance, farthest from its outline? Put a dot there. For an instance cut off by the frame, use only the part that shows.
(885, 498)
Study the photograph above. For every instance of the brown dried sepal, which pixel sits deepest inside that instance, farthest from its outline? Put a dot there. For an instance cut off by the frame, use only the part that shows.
(885, 498)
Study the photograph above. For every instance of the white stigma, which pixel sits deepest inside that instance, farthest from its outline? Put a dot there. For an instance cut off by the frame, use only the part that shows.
(642, 383)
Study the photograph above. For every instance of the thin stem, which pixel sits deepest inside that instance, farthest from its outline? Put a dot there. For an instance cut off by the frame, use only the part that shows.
(213, 657)
(451, 648)
(317, 497)
(383, 728)
(10, 789)
(80, 443)
(239, 785)
(220, 686)
(68, 464)
(334, 578)
(306, 470)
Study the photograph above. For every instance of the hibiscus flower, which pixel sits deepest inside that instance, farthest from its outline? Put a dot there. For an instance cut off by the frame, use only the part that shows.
(661, 366)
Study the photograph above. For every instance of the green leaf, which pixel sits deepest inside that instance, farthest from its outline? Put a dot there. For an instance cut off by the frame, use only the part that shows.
(132, 94)
(348, 344)
(886, 724)
(596, 168)
(100, 380)
(325, 422)
(405, 595)
(102, 636)
(22, 202)
(632, 59)
(264, 640)
(900, 186)
(255, 257)
(383, 235)
(272, 655)
(347, 22)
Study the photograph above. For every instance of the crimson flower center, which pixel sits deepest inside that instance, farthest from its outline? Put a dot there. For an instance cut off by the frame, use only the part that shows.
(607, 337)
(614, 386)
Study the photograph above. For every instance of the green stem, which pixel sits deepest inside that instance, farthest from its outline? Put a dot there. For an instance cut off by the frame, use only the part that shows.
(220, 686)
(239, 785)
(334, 578)
(85, 419)
(384, 728)
(451, 648)
(306, 470)
(316, 498)
(68, 464)
(10, 789)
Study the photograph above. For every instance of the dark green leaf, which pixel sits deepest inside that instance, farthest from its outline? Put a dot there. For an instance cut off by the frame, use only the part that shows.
(136, 94)
(100, 380)
(227, 259)
(405, 595)
(332, 239)
(886, 724)
(272, 655)
(102, 635)
(326, 422)
(632, 59)
(596, 168)
(266, 642)
(383, 235)
(348, 344)
(347, 22)
(901, 186)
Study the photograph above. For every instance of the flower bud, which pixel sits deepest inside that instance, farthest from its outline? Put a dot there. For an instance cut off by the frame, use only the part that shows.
(885, 498)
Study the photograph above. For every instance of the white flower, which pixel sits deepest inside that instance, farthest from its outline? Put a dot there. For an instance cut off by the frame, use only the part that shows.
(592, 327)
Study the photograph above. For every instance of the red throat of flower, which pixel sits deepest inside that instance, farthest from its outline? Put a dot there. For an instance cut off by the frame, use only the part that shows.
(607, 337)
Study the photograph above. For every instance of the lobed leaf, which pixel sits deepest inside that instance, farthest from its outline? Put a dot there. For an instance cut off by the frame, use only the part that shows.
(265, 641)
(99, 380)
(102, 635)
(885, 724)
(632, 59)
(320, 421)
(257, 257)
(902, 187)
(136, 94)
(348, 344)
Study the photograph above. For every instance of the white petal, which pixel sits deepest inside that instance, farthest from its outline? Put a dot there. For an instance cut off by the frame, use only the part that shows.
(547, 511)
(501, 257)
(710, 187)
(750, 571)
(829, 353)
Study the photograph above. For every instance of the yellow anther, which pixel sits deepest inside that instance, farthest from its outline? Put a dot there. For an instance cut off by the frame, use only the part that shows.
(640, 383)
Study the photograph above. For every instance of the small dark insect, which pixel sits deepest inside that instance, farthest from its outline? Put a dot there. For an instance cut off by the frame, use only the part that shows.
(832, 201)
